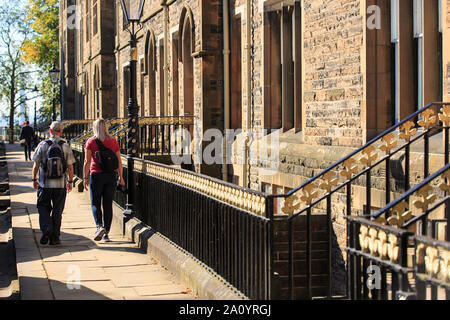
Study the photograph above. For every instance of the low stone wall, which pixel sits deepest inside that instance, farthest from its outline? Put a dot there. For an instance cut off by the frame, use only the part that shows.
(9, 286)
(203, 282)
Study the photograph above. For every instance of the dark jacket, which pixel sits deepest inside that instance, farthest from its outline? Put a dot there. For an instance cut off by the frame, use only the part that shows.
(27, 133)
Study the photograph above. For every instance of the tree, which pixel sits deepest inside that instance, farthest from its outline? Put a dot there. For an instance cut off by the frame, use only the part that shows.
(42, 48)
(14, 73)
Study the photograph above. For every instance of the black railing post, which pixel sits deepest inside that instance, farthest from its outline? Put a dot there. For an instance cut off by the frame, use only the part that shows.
(426, 155)
(133, 127)
(388, 184)
(308, 253)
(330, 247)
(291, 259)
(273, 290)
(407, 181)
(446, 148)
(447, 216)
(421, 288)
(368, 193)
(403, 261)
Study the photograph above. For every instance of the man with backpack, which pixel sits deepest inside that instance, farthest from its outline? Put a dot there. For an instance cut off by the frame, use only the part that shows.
(53, 160)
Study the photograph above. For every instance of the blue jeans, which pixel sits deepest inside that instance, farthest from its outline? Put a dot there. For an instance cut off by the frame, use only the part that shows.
(102, 187)
(50, 205)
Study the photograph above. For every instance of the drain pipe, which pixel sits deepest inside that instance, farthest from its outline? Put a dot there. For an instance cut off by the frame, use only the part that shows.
(226, 85)
(246, 169)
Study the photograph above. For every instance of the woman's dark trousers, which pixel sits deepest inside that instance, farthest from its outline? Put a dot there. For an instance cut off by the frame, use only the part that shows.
(102, 188)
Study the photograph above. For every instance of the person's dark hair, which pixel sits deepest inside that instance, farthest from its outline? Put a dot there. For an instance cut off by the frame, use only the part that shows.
(28, 123)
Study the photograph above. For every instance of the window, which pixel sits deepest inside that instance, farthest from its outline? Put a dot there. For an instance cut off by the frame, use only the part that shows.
(175, 76)
(151, 73)
(188, 69)
(88, 21)
(380, 66)
(186, 48)
(162, 104)
(94, 18)
(81, 41)
(282, 72)
(126, 89)
(97, 92)
(236, 73)
(432, 53)
(142, 86)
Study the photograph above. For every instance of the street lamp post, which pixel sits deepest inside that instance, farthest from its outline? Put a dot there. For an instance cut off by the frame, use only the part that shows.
(54, 76)
(35, 90)
(132, 10)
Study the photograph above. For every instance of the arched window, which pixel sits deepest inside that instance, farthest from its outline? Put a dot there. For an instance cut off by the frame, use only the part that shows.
(150, 70)
(187, 48)
(86, 97)
(97, 92)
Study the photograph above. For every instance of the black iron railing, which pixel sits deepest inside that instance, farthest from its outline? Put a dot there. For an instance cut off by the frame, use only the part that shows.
(75, 128)
(227, 228)
(71, 129)
(157, 135)
(330, 194)
(378, 261)
(432, 267)
(232, 241)
(386, 242)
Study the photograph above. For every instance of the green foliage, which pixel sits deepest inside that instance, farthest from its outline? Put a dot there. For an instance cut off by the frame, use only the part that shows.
(42, 49)
(14, 73)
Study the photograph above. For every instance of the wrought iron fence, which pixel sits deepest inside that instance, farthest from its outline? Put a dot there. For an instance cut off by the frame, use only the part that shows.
(231, 238)
(157, 135)
(335, 185)
(378, 261)
(228, 228)
(388, 240)
(432, 267)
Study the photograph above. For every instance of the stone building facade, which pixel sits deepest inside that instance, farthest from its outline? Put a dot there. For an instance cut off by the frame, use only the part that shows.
(312, 79)
(324, 75)
(88, 59)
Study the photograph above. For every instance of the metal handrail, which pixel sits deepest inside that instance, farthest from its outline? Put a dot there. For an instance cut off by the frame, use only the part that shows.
(411, 191)
(377, 138)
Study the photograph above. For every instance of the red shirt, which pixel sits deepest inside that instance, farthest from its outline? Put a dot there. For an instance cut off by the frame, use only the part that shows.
(91, 144)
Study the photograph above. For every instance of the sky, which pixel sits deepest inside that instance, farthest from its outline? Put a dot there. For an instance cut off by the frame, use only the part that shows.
(3, 108)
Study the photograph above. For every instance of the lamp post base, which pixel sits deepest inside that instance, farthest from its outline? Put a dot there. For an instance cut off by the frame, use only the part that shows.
(127, 215)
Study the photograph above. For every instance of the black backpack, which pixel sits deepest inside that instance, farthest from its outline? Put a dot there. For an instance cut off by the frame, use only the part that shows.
(55, 165)
(107, 158)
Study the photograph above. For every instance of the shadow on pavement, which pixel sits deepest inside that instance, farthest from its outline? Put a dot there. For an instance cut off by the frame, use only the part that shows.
(70, 243)
(59, 290)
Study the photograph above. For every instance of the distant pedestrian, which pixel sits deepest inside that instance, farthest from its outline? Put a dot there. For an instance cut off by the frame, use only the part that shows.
(27, 134)
(101, 165)
(54, 161)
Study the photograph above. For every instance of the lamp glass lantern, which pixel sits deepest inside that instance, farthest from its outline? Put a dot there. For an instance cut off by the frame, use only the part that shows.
(54, 74)
(132, 10)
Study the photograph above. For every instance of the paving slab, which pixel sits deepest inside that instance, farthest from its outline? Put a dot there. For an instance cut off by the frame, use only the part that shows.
(80, 268)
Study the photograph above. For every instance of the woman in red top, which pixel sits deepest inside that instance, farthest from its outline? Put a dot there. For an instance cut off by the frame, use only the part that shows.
(102, 185)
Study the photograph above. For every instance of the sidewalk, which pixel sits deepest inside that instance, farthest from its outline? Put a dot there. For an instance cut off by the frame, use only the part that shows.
(117, 270)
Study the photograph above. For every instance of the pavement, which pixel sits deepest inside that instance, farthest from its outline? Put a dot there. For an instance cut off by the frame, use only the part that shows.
(80, 268)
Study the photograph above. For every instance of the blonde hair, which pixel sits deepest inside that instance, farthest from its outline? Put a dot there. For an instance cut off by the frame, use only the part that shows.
(100, 130)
